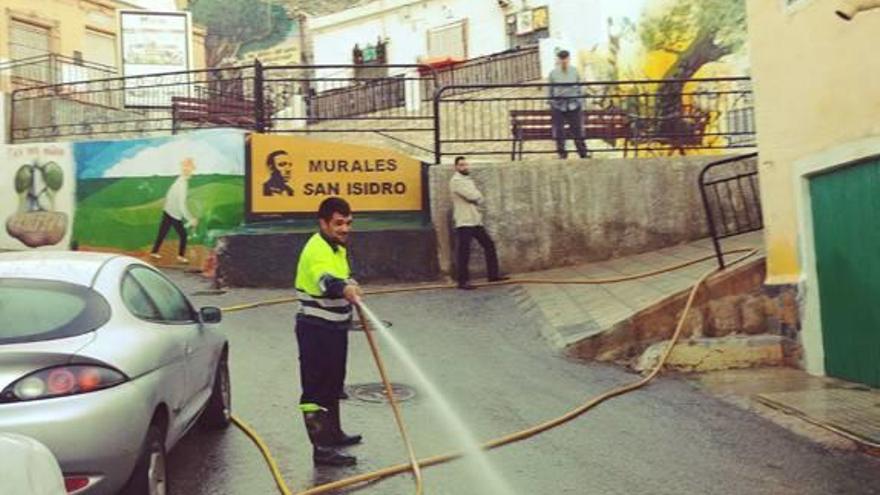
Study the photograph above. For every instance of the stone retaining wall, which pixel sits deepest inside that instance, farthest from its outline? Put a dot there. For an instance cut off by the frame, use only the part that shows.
(551, 213)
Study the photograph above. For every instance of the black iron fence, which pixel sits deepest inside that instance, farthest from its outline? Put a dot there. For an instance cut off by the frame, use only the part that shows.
(295, 99)
(358, 95)
(510, 67)
(731, 198)
(51, 69)
(138, 105)
(399, 102)
(635, 118)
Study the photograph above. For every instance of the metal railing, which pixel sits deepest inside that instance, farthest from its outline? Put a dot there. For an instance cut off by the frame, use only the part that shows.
(52, 69)
(731, 198)
(397, 102)
(648, 117)
(509, 67)
(138, 105)
(391, 100)
(353, 98)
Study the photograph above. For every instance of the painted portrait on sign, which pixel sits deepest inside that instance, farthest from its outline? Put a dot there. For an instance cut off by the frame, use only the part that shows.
(280, 168)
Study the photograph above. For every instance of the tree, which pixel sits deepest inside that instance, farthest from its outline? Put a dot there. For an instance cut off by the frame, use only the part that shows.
(234, 24)
(697, 32)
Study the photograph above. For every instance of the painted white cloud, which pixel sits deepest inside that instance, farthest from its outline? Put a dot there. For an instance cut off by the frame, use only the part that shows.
(221, 153)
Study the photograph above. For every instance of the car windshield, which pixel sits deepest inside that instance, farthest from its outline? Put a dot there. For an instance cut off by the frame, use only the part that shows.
(37, 310)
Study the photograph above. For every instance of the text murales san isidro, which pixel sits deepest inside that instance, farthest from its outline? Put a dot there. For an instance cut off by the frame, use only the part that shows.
(354, 188)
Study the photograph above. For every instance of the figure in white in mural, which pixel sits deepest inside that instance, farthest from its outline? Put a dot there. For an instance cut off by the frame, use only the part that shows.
(176, 212)
(36, 223)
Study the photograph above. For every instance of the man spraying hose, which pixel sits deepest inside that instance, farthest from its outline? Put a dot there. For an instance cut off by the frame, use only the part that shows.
(326, 294)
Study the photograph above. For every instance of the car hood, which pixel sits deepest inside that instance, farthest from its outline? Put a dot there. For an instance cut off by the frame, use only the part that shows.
(18, 360)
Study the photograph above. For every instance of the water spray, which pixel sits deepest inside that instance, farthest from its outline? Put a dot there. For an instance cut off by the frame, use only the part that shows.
(369, 321)
(415, 465)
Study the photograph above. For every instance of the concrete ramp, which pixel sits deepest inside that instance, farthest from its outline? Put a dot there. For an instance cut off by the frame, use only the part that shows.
(619, 321)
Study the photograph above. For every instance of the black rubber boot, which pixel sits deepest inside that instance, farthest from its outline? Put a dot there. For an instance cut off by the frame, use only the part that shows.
(319, 427)
(336, 437)
(328, 456)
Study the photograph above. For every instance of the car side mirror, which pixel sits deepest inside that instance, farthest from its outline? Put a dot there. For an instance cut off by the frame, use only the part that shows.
(210, 314)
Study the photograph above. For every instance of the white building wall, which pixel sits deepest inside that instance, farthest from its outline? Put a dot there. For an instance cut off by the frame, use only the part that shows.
(406, 26)
(574, 25)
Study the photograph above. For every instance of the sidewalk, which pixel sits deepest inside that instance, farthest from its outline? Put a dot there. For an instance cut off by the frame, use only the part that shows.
(835, 413)
(576, 312)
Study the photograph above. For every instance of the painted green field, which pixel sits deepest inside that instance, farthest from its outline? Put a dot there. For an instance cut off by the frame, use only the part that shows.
(125, 213)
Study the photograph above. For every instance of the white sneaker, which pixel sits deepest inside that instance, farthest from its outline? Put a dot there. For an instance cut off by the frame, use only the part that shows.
(181, 259)
(156, 256)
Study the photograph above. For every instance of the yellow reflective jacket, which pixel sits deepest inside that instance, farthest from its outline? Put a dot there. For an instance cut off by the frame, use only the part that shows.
(321, 276)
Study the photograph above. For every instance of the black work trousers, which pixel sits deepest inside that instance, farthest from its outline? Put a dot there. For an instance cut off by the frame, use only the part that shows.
(167, 222)
(323, 353)
(464, 236)
(575, 121)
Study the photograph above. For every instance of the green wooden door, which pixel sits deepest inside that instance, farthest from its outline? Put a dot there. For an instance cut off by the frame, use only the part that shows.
(846, 223)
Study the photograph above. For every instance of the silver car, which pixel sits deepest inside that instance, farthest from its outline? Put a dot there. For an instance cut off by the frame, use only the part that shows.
(107, 363)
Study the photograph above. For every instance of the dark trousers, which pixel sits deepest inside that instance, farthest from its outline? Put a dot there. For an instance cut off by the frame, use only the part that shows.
(323, 353)
(168, 222)
(575, 121)
(464, 236)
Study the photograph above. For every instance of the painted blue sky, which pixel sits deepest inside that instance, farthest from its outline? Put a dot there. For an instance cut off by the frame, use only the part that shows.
(215, 151)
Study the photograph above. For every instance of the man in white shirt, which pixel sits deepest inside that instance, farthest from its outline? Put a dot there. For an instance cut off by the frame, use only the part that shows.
(469, 224)
(176, 212)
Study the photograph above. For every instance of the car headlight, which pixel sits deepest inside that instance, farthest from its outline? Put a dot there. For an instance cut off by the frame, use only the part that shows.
(61, 381)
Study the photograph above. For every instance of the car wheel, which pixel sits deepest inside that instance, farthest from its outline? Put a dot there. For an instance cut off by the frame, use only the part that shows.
(218, 412)
(149, 476)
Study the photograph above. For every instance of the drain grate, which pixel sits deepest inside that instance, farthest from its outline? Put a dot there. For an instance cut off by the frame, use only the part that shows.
(375, 392)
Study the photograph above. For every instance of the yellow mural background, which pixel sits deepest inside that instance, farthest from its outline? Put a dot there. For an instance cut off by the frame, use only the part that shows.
(675, 39)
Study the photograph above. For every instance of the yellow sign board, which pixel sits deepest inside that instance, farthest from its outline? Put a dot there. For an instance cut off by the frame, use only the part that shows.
(288, 175)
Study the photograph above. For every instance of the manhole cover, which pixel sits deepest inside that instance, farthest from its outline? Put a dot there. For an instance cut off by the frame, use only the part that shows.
(375, 392)
(357, 326)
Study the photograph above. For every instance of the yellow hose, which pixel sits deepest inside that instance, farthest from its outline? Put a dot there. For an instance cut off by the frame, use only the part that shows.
(512, 281)
(415, 464)
(392, 400)
(273, 466)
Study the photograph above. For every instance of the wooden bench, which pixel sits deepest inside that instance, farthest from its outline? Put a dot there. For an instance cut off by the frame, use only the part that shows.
(537, 125)
(685, 129)
(216, 110)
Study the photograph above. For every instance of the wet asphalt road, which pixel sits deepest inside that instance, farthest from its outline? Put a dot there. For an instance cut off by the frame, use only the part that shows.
(492, 363)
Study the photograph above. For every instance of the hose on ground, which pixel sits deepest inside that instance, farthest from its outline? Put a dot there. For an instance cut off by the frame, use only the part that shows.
(415, 465)
(513, 281)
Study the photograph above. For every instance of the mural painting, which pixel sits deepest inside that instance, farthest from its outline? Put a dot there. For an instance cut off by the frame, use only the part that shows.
(241, 30)
(162, 199)
(37, 196)
(673, 41)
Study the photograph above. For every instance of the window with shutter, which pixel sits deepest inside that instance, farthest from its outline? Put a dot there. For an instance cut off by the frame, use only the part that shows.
(27, 40)
(448, 41)
(100, 48)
